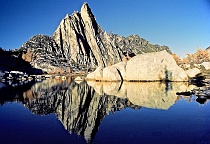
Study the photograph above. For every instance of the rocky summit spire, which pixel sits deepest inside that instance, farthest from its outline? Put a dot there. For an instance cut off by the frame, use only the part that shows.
(84, 42)
(86, 12)
(85, 8)
(79, 43)
(88, 16)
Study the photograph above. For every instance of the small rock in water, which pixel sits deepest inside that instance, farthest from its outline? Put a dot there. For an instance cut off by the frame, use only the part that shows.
(188, 93)
(78, 79)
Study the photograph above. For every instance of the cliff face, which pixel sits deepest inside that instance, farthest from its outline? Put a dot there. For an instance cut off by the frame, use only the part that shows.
(79, 43)
(82, 40)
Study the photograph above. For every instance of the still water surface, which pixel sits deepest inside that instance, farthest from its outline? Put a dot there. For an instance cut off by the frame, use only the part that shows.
(64, 112)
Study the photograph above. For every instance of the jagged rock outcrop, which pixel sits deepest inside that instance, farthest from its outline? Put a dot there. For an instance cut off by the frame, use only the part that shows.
(43, 53)
(208, 49)
(134, 44)
(83, 40)
(80, 44)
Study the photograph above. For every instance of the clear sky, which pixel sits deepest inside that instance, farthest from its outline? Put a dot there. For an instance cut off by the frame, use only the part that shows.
(183, 25)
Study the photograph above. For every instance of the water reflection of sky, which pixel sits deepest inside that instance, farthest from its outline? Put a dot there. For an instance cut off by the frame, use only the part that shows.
(67, 112)
(184, 122)
(19, 126)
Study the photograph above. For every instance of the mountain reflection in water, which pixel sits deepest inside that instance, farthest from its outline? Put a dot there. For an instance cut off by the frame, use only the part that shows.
(77, 106)
(81, 107)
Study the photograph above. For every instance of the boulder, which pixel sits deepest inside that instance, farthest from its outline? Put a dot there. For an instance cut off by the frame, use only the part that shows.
(96, 75)
(121, 67)
(78, 79)
(155, 66)
(193, 72)
(115, 72)
(206, 65)
(111, 73)
(90, 76)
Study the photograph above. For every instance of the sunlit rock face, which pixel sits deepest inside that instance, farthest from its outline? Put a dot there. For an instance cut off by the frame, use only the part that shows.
(193, 72)
(96, 75)
(206, 65)
(83, 41)
(154, 66)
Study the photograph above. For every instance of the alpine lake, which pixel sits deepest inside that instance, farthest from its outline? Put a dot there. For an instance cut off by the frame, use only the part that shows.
(56, 111)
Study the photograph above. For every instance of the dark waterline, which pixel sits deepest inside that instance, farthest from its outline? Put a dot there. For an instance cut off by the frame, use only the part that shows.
(56, 111)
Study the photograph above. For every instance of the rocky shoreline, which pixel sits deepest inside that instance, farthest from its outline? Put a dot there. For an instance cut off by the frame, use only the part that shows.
(16, 78)
(201, 89)
(200, 84)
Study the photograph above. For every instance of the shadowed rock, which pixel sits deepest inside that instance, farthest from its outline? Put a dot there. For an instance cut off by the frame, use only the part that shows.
(43, 53)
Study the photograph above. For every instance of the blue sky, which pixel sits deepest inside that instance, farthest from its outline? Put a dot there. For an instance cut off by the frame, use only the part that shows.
(183, 25)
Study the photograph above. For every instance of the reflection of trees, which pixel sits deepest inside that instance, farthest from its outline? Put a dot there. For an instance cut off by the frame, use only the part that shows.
(78, 106)
(9, 93)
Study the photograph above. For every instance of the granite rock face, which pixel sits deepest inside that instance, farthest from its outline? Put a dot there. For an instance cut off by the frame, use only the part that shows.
(154, 67)
(206, 65)
(116, 72)
(193, 72)
(82, 40)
